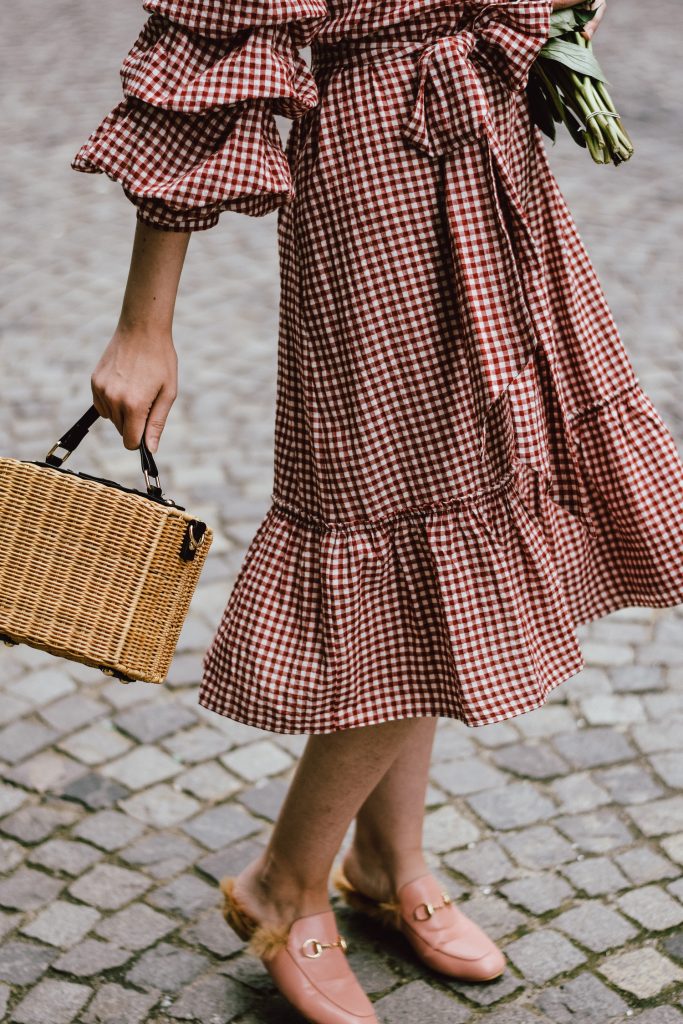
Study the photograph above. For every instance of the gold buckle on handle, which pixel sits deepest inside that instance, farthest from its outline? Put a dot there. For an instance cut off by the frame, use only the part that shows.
(431, 908)
(318, 947)
(54, 449)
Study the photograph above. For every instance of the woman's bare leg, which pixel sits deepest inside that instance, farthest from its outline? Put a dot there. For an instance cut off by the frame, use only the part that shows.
(334, 776)
(387, 844)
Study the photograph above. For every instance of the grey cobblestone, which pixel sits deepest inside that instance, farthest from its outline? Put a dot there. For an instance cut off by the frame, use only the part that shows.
(570, 807)
(91, 957)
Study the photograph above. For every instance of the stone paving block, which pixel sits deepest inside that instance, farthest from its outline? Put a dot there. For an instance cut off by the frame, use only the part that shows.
(673, 945)
(664, 705)
(221, 825)
(629, 784)
(62, 924)
(546, 721)
(35, 823)
(265, 797)
(543, 954)
(47, 772)
(58, 1002)
(676, 888)
(538, 847)
(643, 865)
(110, 830)
(669, 767)
(21, 739)
(483, 864)
(73, 712)
(612, 709)
(43, 687)
(162, 853)
(652, 908)
(607, 655)
(141, 767)
(22, 963)
(450, 741)
(186, 895)
(201, 743)
(445, 829)
(94, 791)
(659, 817)
(167, 968)
(96, 744)
(594, 832)
(212, 932)
(596, 876)
(517, 1013)
(493, 914)
(419, 1001)
(208, 781)
(673, 846)
(10, 799)
(11, 854)
(660, 1015)
(64, 855)
(114, 1004)
(488, 994)
(595, 926)
(91, 957)
(255, 760)
(581, 1000)
(216, 999)
(161, 806)
(639, 678)
(4, 1000)
(466, 775)
(109, 887)
(539, 893)
(588, 748)
(643, 972)
(530, 760)
(151, 724)
(136, 927)
(513, 806)
(12, 708)
(28, 890)
(232, 859)
(659, 736)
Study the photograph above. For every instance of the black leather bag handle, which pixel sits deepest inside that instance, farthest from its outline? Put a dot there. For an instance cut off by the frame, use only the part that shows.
(74, 435)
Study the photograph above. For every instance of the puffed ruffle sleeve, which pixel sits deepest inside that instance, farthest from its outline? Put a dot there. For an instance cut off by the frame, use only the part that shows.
(195, 133)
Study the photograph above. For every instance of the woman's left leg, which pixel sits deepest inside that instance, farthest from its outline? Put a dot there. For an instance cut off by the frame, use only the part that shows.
(387, 847)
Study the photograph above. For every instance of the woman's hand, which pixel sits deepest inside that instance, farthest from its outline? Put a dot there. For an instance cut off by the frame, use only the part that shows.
(135, 382)
(599, 6)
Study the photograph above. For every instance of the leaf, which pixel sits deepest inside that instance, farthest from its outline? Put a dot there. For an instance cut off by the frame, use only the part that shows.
(573, 56)
(541, 106)
(569, 20)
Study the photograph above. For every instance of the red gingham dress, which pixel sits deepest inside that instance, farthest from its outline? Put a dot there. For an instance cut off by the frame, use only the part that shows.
(466, 466)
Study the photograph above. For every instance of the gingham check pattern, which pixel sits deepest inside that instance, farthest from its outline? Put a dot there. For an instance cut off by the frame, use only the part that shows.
(466, 466)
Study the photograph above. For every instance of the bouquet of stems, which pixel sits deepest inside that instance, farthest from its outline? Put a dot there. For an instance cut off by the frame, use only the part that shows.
(566, 85)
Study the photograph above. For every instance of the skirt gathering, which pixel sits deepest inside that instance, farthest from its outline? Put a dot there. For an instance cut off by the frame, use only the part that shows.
(466, 465)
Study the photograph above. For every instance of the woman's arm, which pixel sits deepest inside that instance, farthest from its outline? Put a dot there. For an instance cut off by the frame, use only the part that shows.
(136, 379)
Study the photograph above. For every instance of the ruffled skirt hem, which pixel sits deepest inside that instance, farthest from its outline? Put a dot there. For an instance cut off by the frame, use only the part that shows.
(466, 609)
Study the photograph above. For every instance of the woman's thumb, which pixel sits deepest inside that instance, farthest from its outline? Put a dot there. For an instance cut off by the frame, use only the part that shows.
(156, 420)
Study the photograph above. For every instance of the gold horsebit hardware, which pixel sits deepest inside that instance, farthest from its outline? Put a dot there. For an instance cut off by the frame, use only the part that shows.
(430, 908)
(318, 947)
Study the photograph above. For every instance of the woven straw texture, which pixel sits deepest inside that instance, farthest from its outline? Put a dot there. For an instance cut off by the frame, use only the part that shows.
(92, 573)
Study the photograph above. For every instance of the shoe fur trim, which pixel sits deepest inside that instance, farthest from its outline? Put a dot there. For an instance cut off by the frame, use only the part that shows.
(387, 912)
(263, 941)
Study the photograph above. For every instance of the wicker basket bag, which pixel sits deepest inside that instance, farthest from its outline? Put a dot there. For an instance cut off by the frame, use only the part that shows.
(93, 571)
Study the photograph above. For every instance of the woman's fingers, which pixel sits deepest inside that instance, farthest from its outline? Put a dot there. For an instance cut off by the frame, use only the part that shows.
(600, 7)
(156, 420)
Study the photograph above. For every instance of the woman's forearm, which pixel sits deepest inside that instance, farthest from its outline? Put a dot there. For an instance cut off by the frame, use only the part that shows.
(156, 265)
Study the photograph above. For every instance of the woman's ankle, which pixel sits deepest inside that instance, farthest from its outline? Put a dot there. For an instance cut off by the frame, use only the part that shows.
(383, 865)
(280, 892)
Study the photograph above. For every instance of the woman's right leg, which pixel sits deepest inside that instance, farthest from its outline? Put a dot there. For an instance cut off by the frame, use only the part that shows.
(335, 774)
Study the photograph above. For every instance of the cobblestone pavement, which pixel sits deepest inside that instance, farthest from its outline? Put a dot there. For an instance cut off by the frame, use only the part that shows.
(560, 831)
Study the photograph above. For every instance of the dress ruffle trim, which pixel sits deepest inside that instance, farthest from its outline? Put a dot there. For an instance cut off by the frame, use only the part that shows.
(196, 134)
(482, 594)
(219, 19)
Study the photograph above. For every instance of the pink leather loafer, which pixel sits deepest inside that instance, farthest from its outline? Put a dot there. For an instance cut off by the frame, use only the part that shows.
(306, 961)
(440, 933)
